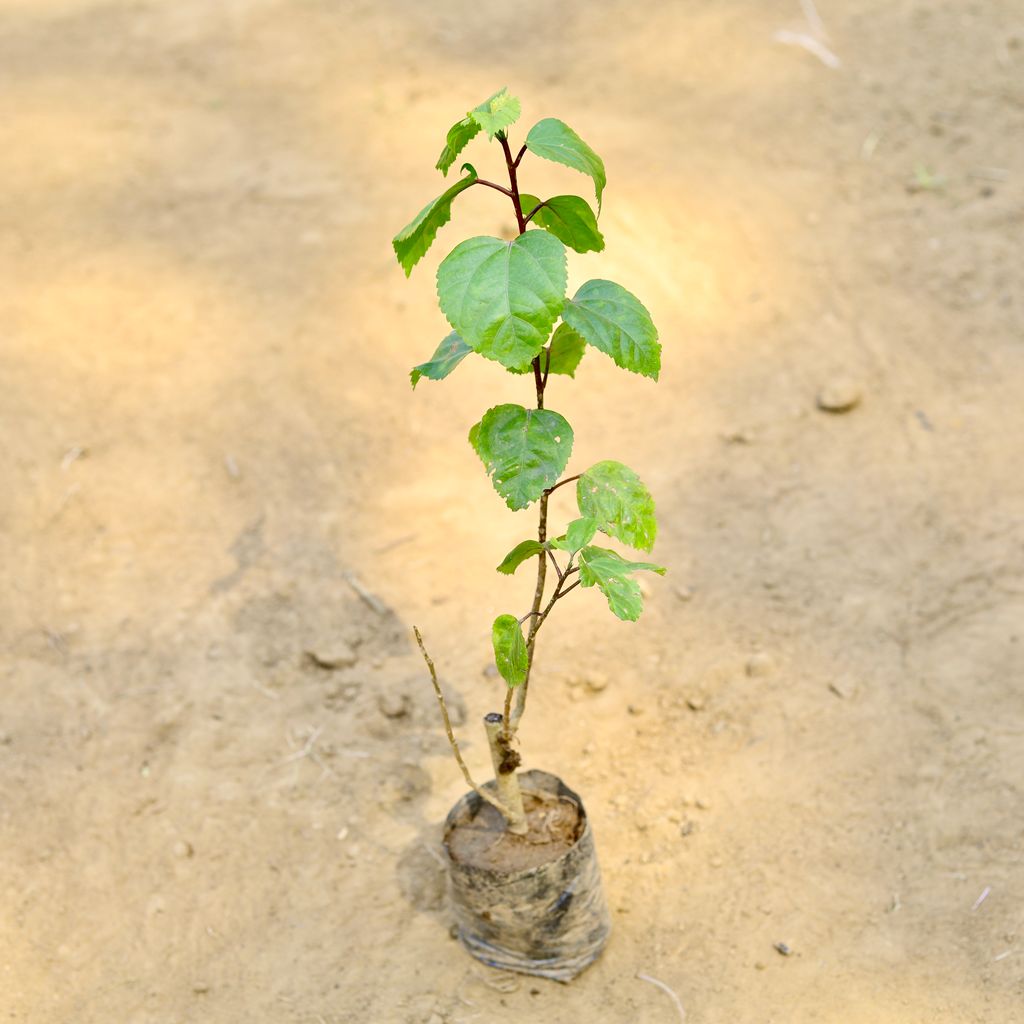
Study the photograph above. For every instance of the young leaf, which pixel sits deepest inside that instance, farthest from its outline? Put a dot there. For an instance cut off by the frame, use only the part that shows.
(579, 534)
(503, 298)
(610, 573)
(554, 140)
(493, 115)
(496, 113)
(412, 242)
(568, 218)
(509, 649)
(616, 322)
(519, 554)
(459, 136)
(446, 357)
(567, 349)
(523, 450)
(615, 497)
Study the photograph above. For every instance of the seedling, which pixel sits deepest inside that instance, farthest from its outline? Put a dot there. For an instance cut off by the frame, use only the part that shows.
(504, 300)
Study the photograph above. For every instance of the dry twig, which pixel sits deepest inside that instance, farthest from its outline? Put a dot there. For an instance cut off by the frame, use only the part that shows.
(664, 988)
(451, 735)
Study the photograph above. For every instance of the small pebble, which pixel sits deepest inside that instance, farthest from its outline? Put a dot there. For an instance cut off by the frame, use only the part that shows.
(845, 689)
(683, 592)
(393, 705)
(783, 948)
(200, 988)
(760, 966)
(738, 436)
(703, 804)
(716, 862)
(596, 682)
(182, 849)
(695, 703)
(334, 654)
(760, 664)
(839, 395)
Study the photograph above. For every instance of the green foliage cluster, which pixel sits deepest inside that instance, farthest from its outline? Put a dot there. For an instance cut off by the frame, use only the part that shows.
(506, 301)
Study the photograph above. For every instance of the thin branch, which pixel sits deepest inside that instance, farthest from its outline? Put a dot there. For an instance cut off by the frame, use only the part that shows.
(522, 619)
(519, 155)
(567, 589)
(547, 365)
(493, 184)
(536, 209)
(483, 794)
(551, 555)
(511, 164)
(562, 483)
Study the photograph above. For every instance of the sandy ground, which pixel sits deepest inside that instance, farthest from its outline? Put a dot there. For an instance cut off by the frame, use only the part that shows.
(815, 735)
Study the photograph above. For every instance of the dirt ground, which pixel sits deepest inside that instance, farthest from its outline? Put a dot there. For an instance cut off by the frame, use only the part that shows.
(216, 482)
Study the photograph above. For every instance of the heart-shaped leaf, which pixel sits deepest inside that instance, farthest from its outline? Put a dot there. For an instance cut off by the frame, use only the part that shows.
(523, 450)
(501, 297)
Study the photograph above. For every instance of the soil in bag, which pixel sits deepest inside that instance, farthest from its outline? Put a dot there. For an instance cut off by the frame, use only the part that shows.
(528, 903)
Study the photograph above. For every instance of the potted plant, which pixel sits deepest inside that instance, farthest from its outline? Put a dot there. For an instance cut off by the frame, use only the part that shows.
(523, 874)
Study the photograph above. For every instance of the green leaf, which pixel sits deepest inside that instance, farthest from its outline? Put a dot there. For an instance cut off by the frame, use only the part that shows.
(579, 534)
(459, 136)
(412, 242)
(568, 218)
(509, 649)
(609, 571)
(523, 450)
(446, 357)
(615, 497)
(519, 554)
(503, 298)
(496, 113)
(616, 322)
(554, 140)
(567, 349)
(565, 352)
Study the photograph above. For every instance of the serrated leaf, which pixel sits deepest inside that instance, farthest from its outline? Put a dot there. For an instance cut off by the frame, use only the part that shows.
(616, 322)
(554, 140)
(446, 357)
(503, 298)
(519, 554)
(459, 136)
(578, 534)
(568, 218)
(614, 496)
(567, 349)
(412, 242)
(496, 113)
(509, 649)
(609, 571)
(523, 450)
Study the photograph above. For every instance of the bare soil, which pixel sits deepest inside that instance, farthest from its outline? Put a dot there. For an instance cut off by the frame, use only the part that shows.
(222, 508)
(553, 826)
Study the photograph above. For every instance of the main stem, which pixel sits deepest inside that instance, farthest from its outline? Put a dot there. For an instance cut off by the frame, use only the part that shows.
(501, 729)
(510, 718)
